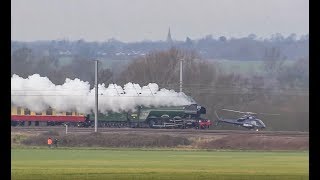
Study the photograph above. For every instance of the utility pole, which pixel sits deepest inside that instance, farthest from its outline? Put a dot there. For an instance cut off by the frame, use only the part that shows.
(181, 60)
(96, 97)
(66, 128)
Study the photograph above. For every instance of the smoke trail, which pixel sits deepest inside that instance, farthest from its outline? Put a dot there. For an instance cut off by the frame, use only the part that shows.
(39, 93)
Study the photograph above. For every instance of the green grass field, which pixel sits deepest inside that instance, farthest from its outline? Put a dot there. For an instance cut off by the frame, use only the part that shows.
(156, 164)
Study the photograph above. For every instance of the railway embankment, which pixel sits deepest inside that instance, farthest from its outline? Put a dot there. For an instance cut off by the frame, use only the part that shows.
(188, 139)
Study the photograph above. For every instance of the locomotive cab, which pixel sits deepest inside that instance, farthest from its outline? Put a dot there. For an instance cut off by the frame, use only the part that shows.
(195, 109)
(202, 110)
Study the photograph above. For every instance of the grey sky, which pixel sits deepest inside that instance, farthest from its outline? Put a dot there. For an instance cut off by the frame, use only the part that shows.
(137, 20)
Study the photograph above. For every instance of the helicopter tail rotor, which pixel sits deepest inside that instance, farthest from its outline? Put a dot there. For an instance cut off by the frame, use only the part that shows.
(215, 112)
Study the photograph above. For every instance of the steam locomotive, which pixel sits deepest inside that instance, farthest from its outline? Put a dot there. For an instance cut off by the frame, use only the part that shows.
(188, 116)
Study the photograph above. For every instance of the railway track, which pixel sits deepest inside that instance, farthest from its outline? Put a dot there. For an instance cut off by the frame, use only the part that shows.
(75, 130)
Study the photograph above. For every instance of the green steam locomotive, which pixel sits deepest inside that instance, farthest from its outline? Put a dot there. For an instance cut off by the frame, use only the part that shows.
(188, 116)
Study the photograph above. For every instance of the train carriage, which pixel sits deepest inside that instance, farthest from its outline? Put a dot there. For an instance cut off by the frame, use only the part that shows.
(24, 117)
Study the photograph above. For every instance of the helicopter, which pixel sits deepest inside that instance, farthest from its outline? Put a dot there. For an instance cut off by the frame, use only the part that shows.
(248, 120)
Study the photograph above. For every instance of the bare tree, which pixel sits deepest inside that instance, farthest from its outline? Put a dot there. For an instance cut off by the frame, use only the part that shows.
(158, 66)
(273, 60)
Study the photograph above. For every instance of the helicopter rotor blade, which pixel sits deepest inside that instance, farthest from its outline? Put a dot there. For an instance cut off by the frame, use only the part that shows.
(270, 114)
(232, 110)
(238, 111)
(250, 113)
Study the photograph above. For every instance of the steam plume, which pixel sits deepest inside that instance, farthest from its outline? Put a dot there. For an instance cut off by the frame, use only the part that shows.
(39, 93)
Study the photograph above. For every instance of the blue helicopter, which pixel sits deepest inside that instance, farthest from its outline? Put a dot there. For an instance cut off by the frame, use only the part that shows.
(248, 120)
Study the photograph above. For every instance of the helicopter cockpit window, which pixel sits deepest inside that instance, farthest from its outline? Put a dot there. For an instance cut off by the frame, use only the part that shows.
(254, 123)
(260, 122)
(240, 119)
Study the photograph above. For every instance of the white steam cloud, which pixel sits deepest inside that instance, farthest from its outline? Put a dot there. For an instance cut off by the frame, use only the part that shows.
(38, 93)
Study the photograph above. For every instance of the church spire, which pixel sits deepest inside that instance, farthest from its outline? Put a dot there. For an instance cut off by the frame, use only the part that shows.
(169, 39)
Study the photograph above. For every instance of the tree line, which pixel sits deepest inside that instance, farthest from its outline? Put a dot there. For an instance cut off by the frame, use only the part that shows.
(243, 48)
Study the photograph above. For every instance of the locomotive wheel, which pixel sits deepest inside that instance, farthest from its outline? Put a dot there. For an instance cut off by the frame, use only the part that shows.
(151, 123)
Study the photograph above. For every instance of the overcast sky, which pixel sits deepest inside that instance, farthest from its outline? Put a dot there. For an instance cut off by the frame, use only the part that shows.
(137, 20)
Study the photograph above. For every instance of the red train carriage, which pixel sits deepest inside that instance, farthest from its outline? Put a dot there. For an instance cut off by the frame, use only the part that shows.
(25, 117)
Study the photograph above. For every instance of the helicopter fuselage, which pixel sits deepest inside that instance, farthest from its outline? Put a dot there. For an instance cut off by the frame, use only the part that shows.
(250, 123)
(248, 120)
